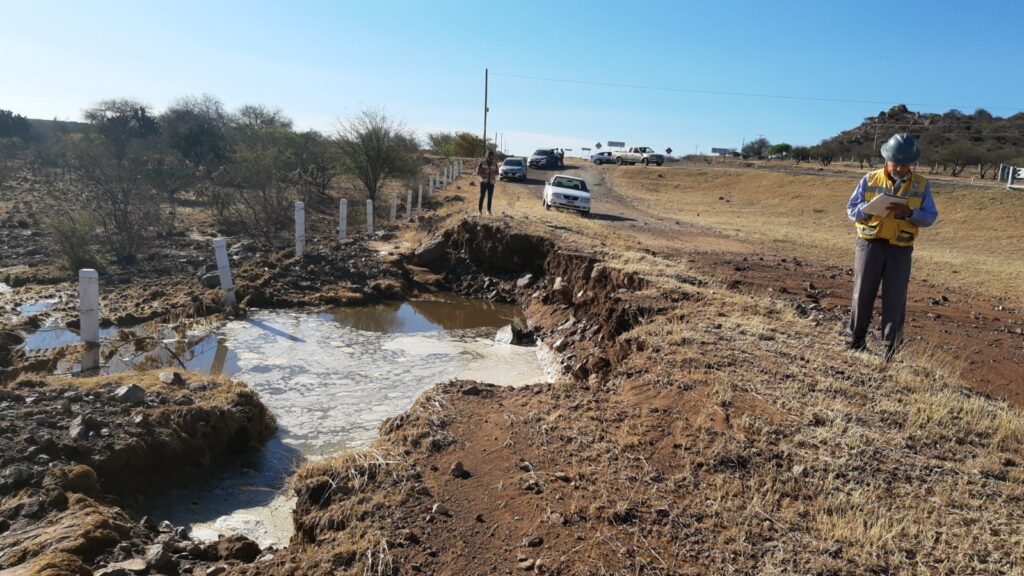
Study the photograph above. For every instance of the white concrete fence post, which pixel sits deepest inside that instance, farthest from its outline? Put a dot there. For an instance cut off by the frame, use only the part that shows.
(1009, 180)
(408, 205)
(419, 199)
(220, 250)
(394, 207)
(369, 217)
(89, 317)
(300, 229)
(342, 219)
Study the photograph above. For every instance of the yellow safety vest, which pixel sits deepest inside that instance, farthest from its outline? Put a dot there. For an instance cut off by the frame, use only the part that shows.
(897, 232)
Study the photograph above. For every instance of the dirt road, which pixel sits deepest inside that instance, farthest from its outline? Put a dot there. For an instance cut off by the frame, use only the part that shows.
(979, 336)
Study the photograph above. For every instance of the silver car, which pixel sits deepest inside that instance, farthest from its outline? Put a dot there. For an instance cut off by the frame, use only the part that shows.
(601, 158)
(512, 168)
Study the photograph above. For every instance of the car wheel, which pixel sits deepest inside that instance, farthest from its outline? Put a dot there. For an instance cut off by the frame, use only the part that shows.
(659, 163)
(619, 161)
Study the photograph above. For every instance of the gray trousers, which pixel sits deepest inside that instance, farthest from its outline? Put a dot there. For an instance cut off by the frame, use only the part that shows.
(878, 262)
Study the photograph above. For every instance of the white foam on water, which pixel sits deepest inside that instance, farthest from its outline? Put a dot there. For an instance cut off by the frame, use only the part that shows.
(330, 380)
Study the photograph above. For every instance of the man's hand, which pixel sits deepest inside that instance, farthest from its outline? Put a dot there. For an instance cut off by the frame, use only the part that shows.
(901, 211)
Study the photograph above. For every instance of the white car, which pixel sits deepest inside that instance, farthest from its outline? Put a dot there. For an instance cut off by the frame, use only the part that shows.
(567, 192)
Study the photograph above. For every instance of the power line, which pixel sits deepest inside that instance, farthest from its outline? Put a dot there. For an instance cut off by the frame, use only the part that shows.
(741, 94)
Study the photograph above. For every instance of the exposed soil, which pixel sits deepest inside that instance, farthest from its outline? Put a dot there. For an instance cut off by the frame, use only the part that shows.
(75, 452)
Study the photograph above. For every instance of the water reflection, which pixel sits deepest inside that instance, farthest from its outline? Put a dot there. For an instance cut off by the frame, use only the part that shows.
(30, 308)
(50, 337)
(425, 316)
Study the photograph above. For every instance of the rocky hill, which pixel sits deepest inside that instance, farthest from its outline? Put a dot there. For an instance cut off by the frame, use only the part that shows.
(946, 138)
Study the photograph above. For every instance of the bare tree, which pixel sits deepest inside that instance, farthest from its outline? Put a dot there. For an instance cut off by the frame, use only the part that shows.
(375, 148)
(314, 166)
(120, 121)
(113, 161)
(194, 126)
(260, 117)
(258, 196)
(959, 156)
(117, 193)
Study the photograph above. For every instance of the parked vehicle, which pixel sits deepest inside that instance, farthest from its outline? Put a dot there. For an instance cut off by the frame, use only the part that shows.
(567, 192)
(601, 158)
(512, 168)
(544, 158)
(641, 154)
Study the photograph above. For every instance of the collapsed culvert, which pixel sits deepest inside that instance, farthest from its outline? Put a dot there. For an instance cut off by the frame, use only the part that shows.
(578, 305)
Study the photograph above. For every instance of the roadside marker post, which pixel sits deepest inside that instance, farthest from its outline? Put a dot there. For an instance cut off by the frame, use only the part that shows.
(394, 207)
(1014, 174)
(369, 217)
(89, 317)
(342, 219)
(408, 205)
(300, 229)
(220, 250)
(419, 199)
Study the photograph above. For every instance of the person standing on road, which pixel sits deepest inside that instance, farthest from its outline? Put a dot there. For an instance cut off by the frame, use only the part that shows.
(487, 170)
(885, 243)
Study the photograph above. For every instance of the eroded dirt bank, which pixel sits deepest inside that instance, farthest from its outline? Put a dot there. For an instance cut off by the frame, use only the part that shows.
(699, 430)
(76, 452)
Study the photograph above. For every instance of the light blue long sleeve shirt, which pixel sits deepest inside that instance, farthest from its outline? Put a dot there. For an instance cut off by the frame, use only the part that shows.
(924, 216)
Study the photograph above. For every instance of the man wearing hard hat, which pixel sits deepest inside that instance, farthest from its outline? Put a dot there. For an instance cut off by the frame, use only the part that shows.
(885, 242)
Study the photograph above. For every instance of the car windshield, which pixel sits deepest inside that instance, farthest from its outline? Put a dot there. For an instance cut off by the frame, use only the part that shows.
(570, 183)
(542, 153)
(646, 150)
(512, 162)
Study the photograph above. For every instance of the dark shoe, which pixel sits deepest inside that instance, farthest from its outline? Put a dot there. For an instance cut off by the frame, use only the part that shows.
(856, 344)
(890, 352)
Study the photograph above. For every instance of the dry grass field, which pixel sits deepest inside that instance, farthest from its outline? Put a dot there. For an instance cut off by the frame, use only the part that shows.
(975, 244)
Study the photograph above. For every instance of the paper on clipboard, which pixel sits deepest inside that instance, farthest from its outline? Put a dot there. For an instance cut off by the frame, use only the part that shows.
(879, 205)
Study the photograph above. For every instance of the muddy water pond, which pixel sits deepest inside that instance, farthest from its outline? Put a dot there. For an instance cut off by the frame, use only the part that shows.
(331, 377)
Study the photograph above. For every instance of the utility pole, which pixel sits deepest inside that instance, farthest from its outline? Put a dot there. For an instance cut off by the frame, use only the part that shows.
(485, 110)
(875, 145)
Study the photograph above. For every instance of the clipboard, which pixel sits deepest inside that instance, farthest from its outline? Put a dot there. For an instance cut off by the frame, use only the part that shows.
(879, 205)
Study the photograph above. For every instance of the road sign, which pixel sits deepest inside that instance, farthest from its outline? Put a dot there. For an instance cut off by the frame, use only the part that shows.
(615, 144)
(668, 151)
(598, 145)
(585, 149)
(722, 150)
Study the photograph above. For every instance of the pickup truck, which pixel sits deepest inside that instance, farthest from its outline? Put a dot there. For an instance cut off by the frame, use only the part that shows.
(641, 154)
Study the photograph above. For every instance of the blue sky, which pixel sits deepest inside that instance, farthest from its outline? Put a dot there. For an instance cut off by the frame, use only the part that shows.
(424, 62)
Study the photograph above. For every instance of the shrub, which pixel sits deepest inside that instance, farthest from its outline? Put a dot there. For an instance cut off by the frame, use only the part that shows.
(73, 235)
